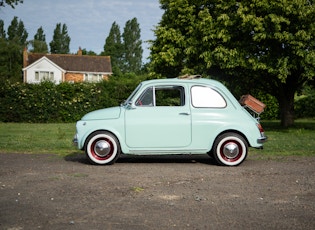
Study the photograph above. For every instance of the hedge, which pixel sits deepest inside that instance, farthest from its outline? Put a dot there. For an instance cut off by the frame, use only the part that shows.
(65, 102)
(271, 112)
(68, 102)
(305, 104)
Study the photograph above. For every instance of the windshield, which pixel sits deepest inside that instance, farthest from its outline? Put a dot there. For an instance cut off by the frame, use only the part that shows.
(129, 99)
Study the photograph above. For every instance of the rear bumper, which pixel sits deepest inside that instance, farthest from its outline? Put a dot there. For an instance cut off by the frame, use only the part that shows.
(262, 139)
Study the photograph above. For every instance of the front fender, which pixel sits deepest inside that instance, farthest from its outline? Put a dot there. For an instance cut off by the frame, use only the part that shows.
(86, 128)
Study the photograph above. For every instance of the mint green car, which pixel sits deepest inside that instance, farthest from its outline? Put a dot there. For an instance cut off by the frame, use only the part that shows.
(188, 115)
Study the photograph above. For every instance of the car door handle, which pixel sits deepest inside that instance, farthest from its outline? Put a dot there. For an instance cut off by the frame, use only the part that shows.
(184, 114)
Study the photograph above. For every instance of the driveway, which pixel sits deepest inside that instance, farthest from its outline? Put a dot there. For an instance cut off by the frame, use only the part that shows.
(42, 191)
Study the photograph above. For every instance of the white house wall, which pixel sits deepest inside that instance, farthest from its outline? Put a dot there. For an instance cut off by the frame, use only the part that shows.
(43, 65)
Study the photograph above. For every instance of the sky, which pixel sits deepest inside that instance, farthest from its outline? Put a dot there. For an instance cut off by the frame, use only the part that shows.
(88, 21)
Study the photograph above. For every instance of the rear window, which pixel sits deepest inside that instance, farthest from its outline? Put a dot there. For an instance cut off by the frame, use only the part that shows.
(206, 97)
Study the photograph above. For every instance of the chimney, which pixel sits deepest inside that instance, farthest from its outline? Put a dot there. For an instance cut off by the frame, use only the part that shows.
(79, 52)
(25, 57)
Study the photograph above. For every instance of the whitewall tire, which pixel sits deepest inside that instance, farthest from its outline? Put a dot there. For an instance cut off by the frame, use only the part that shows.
(230, 149)
(102, 148)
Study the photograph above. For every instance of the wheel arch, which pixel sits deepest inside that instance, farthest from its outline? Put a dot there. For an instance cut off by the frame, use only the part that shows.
(230, 131)
(100, 130)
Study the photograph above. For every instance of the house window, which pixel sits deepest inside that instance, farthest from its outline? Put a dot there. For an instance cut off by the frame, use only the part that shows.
(44, 76)
(91, 77)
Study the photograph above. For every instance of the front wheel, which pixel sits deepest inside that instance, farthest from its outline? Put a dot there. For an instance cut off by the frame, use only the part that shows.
(102, 148)
(230, 149)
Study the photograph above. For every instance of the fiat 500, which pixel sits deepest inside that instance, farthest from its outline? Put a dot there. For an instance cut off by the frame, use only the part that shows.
(190, 115)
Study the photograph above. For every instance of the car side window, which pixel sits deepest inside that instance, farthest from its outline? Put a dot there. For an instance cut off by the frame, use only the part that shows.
(206, 97)
(169, 96)
(162, 96)
(146, 98)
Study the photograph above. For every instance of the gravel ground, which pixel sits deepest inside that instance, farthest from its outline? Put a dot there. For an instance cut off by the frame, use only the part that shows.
(42, 191)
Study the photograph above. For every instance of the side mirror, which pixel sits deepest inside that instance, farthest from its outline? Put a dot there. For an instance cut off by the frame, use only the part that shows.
(130, 105)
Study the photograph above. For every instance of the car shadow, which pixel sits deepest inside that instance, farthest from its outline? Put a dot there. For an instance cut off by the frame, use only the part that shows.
(77, 157)
(163, 159)
(187, 159)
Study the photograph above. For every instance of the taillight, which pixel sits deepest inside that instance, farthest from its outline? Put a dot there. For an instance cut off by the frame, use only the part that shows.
(261, 129)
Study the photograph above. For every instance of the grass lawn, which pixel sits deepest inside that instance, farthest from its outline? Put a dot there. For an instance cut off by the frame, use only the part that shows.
(57, 138)
(298, 140)
(37, 138)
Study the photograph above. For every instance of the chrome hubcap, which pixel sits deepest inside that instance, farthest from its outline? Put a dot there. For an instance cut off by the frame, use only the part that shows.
(231, 150)
(102, 148)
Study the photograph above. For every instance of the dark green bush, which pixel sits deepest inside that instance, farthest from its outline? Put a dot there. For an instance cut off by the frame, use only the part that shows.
(66, 102)
(271, 111)
(305, 104)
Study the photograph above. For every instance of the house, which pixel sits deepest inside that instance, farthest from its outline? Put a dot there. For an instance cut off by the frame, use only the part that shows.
(65, 67)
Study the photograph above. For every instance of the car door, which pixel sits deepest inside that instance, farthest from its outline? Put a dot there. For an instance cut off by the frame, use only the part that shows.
(160, 119)
(209, 114)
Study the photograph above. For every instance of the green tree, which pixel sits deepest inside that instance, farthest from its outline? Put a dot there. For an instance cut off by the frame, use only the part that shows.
(61, 40)
(17, 32)
(2, 31)
(39, 42)
(114, 48)
(176, 37)
(11, 48)
(11, 3)
(3, 51)
(132, 47)
(261, 44)
(88, 52)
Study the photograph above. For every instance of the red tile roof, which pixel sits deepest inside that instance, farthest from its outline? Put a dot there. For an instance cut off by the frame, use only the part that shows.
(75, 63)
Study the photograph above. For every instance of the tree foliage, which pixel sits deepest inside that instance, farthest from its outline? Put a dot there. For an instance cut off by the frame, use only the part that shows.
(2, 31)
(261, 44)
(17, 32)
(11, 3)
(61, 40)
(132, 45)
(3, 50)
(11, 48)
(114, 48)
(39, 42)
(88, 52)
(125, 50)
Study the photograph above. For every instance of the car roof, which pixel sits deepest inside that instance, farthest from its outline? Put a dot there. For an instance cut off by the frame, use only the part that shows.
(196, 80)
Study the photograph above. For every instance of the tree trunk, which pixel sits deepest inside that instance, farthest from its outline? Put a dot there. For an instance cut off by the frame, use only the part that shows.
(286, 104)
(285, 94)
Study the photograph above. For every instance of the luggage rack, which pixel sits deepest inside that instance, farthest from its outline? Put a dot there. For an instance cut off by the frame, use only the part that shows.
(252, 105)
(189, 77)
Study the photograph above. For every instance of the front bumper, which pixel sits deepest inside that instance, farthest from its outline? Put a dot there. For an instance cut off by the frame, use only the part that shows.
(75, 140)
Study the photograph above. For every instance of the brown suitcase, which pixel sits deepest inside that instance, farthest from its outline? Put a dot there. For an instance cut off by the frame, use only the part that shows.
(252, 103)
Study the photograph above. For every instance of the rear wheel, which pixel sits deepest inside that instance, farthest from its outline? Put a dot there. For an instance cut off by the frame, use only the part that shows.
(230, 149)
(102, 148)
